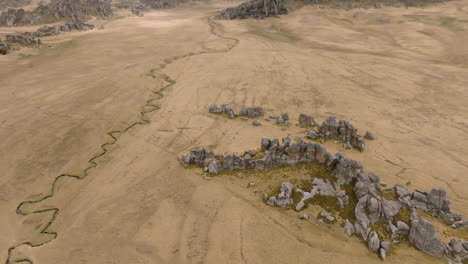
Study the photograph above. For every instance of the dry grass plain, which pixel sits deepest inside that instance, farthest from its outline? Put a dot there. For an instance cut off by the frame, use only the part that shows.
(402, 73)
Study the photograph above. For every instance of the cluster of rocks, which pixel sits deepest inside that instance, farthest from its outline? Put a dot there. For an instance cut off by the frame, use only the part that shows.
(370, 208)
(255, 9)
(330, 128)
(342, 130)
(71, 10)
(282, 120)
(228, 109)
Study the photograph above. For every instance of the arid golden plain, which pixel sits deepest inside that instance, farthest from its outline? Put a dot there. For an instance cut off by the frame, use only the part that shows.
(170, 132)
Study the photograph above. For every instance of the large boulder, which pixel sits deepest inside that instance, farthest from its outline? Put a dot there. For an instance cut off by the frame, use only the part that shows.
(424, 236)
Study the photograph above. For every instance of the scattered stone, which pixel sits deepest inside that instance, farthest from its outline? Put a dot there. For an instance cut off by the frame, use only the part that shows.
(327, 216)
(382, 253)
(223, 109)
(279, 121)
(256, 123)
(348, 228)
(251, 184)
(285, 116)
(305, 217)
(369, 135)
(287, 123)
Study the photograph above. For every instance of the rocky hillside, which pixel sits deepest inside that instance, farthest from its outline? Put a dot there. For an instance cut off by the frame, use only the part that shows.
(255, 9)
(70, 10)
(149, 4)
(4, 4)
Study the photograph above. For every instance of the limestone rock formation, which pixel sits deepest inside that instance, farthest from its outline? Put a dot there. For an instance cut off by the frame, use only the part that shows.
(343, 130)
(255, 9)
(370, 208)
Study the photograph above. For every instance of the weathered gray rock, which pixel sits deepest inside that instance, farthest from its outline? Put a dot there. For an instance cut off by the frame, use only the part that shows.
(214, 167)
(327, 216)
(306, 121)
(305, 217)
(403, 228)
(436, 199)
(383, 253)
(390, 208)
(312, 134)
(256, 9)
(362, 220)
(386, 245)
(256, 123)
(424, 237)
(279, 121)
(373, 242)
(348, 228)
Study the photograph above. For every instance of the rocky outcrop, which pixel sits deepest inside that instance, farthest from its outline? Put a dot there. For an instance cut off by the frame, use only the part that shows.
(376, 216)
(255, 9)
(284, 198)
(75, 11)
(251, 112)
(344, 131)
(306, 121)
(228, 109)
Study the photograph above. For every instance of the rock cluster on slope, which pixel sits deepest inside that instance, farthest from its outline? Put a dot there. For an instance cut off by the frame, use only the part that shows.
(228, 109)
(370, 208)
(75, 11)
(255, 9)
